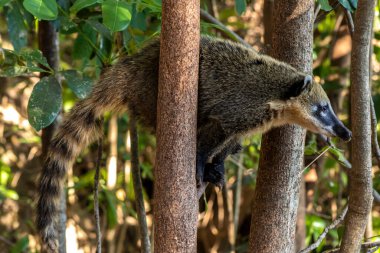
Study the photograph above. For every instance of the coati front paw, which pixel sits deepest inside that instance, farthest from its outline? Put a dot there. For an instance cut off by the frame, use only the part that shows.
(214, 173)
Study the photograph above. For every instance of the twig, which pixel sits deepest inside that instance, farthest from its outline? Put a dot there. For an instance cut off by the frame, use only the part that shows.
(207, 17)
(316, 11)
(376, 196)
(96, 198)
(237, 198)
(373, 250)
(6, 241)
(315, 159)
(201, 189)
(333, 225)
(375, 143)
(365, 245)
(350, 21)
(137, 186)
(319, 17)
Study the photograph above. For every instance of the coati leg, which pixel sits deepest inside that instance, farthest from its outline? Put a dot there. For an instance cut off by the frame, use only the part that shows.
(213, 141)
(214, 171)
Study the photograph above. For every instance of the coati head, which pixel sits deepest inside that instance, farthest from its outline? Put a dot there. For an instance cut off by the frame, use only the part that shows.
(307, 105)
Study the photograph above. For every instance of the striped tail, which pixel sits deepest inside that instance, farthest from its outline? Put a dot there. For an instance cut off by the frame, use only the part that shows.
(82, 126)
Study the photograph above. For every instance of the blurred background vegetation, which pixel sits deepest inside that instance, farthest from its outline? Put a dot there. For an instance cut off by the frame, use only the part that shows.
(94, 34)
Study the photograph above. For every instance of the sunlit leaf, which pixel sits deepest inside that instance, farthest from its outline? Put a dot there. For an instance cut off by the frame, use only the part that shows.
(81, 86)
(8, 193)
(42, 9)
(5, 173)
(116, 15)
(44, 103)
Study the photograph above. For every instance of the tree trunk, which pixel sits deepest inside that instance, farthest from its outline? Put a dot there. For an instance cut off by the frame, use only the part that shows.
(175, 200)
(48, 44)
(274, 208)
(360, 192)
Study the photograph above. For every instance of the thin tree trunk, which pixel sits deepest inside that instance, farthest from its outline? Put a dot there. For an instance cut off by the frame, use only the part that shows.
(301, 217)
(274, 208)
(175, 199)
(138, 188)
(48, 44)
(360, 192)
(111, 176)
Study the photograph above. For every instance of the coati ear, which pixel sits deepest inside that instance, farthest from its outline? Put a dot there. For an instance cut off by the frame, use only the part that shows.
(299, 87)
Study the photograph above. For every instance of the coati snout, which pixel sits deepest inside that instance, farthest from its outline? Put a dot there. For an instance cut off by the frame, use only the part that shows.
(311, 108)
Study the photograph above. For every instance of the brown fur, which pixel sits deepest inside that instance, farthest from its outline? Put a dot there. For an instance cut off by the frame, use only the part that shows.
(240, 91)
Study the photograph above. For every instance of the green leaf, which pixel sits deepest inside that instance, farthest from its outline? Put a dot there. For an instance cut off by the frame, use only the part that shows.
(139, 21)
(66, 25)
(81, 86)
(33, 58)
(44, 103)
(4, 2)
(111, 208)
(8, 57)
(8, 193)
(240, 6)
(325, 5)
(350, 5)
(21, 245)
(5, 173)
(18, 33)
(337, 153)
(81, 4)
(42, 9)
(116, 15)
(82, 47)
(100, 28)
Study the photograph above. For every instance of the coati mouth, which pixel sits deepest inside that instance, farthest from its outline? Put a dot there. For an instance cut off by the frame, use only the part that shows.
(338, 130)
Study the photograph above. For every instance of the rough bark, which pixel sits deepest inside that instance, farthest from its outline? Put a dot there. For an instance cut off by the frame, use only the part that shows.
(360, 191)
(274, 208)
(175, 200)
(48, 44)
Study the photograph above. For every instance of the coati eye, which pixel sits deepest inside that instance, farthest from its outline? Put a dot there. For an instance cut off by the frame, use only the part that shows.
(324, 108)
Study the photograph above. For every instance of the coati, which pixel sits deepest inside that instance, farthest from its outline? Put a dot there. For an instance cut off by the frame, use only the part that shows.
(240, 92)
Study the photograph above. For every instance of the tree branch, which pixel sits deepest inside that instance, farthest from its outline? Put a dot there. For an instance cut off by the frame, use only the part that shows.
(137, 186)
(207, 17)
(333, 225)
(376, 196)
(96, 198)
(350, 21)
(372, 246)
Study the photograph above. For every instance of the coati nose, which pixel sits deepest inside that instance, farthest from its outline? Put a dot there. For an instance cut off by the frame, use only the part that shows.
(342, 132)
